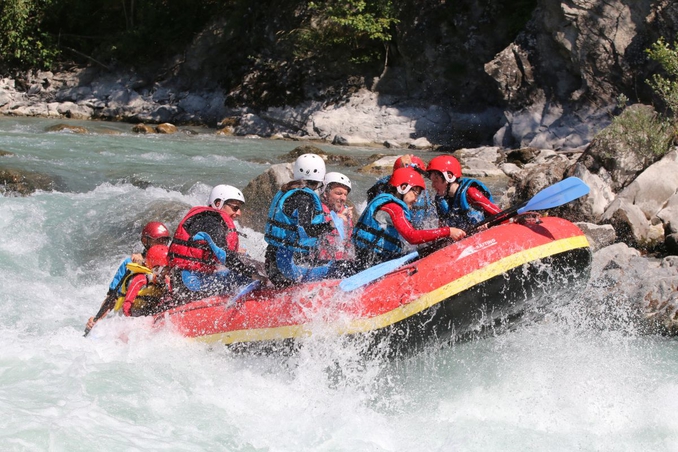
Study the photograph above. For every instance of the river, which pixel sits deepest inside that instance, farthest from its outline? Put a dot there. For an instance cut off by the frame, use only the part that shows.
(559, 384)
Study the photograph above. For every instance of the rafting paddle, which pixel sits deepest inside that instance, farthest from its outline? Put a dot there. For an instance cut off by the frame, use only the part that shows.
(108, 304)
(373, 273)
(555, 195)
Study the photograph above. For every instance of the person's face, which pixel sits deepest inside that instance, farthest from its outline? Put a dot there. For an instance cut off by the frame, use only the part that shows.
(411, 196)
(148, 242)
(438, 182)
(336, 197)
(232, 208)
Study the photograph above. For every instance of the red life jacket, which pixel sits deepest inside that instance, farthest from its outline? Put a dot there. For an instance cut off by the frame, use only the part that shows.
(330, 246)
(188, 254)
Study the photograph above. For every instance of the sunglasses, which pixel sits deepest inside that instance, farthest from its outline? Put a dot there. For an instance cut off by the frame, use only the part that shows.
(234, 207)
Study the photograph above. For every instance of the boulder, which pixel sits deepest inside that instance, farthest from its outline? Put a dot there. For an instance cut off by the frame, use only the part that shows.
(143, 128)
(381, 166)
(259, 193)
(599, 236)
(66, 128)
(166, 128)
(23, 183)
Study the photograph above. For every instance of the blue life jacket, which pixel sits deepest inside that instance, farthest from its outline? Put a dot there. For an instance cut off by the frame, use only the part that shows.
(283, 231)
(368, 232)
(422, 209)
(120, 275)
(456, 212)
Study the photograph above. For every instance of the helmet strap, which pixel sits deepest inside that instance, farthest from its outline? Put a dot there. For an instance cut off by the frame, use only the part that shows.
(403, 191)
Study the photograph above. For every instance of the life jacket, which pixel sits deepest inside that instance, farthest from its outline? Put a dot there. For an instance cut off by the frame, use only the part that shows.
(283, 231)
(150, 293)
(368, 233)
(456, 211)
(331, 246)
(196, 255)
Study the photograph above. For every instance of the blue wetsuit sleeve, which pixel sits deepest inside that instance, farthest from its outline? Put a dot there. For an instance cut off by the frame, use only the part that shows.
(122, 269)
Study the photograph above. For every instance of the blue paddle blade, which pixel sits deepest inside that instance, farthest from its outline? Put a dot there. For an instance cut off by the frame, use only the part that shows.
(339, 224)
(254, 285)
(557, 194)
(373, 273)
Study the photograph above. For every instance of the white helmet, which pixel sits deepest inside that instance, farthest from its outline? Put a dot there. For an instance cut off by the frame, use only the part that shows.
(337, 178)
(224, 193)
(309, 167)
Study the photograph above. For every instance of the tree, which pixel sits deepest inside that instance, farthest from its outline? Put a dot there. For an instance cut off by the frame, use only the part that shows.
(666, 87)
(23, 44)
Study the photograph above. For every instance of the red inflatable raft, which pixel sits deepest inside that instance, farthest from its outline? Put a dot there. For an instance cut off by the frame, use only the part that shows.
(493, 276)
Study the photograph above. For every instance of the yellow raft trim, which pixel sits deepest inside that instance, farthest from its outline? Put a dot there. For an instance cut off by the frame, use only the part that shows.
(400, 313)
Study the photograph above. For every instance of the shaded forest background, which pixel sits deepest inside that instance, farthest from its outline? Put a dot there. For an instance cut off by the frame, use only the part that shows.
(270, 52)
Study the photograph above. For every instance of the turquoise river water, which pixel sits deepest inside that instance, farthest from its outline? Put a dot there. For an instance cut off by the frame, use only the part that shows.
(560, 384)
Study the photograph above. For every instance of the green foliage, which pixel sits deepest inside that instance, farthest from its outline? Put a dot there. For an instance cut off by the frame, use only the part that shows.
(23, 44)
(640, 130)
(666, 87)
(354, 26)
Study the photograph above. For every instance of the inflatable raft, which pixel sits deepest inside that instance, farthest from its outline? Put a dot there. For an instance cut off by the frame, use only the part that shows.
(491, 277)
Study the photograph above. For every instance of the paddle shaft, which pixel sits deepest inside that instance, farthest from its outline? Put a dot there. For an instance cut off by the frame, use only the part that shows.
(108, 304)
(498, 217)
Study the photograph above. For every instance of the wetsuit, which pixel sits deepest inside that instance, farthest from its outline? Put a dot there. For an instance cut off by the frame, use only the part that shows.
(385, 221)
(423, 210)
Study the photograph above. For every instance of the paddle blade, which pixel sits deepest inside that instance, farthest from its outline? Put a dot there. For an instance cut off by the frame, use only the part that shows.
(557, 194)
(246, 290)
(339, 224)
(373, 273)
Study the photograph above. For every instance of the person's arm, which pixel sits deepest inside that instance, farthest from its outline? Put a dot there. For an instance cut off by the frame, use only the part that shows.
(111, 296)
(231, 259)
(479, 201)
(137, 283)
(211, 223)
(417, 236)
(106, 306)
(304, 205)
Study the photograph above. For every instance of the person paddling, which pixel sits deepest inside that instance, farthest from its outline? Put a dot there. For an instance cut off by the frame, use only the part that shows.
(460, 202)
(423, 210)
(204, 255)
(154, 233)
(144, 291)
(386, 222)
(296, 221)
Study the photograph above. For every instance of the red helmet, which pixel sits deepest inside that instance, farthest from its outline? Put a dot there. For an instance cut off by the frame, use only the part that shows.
(415, 162)
(156, 256)
(407, 176)
(447, 165)
(154, 230)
